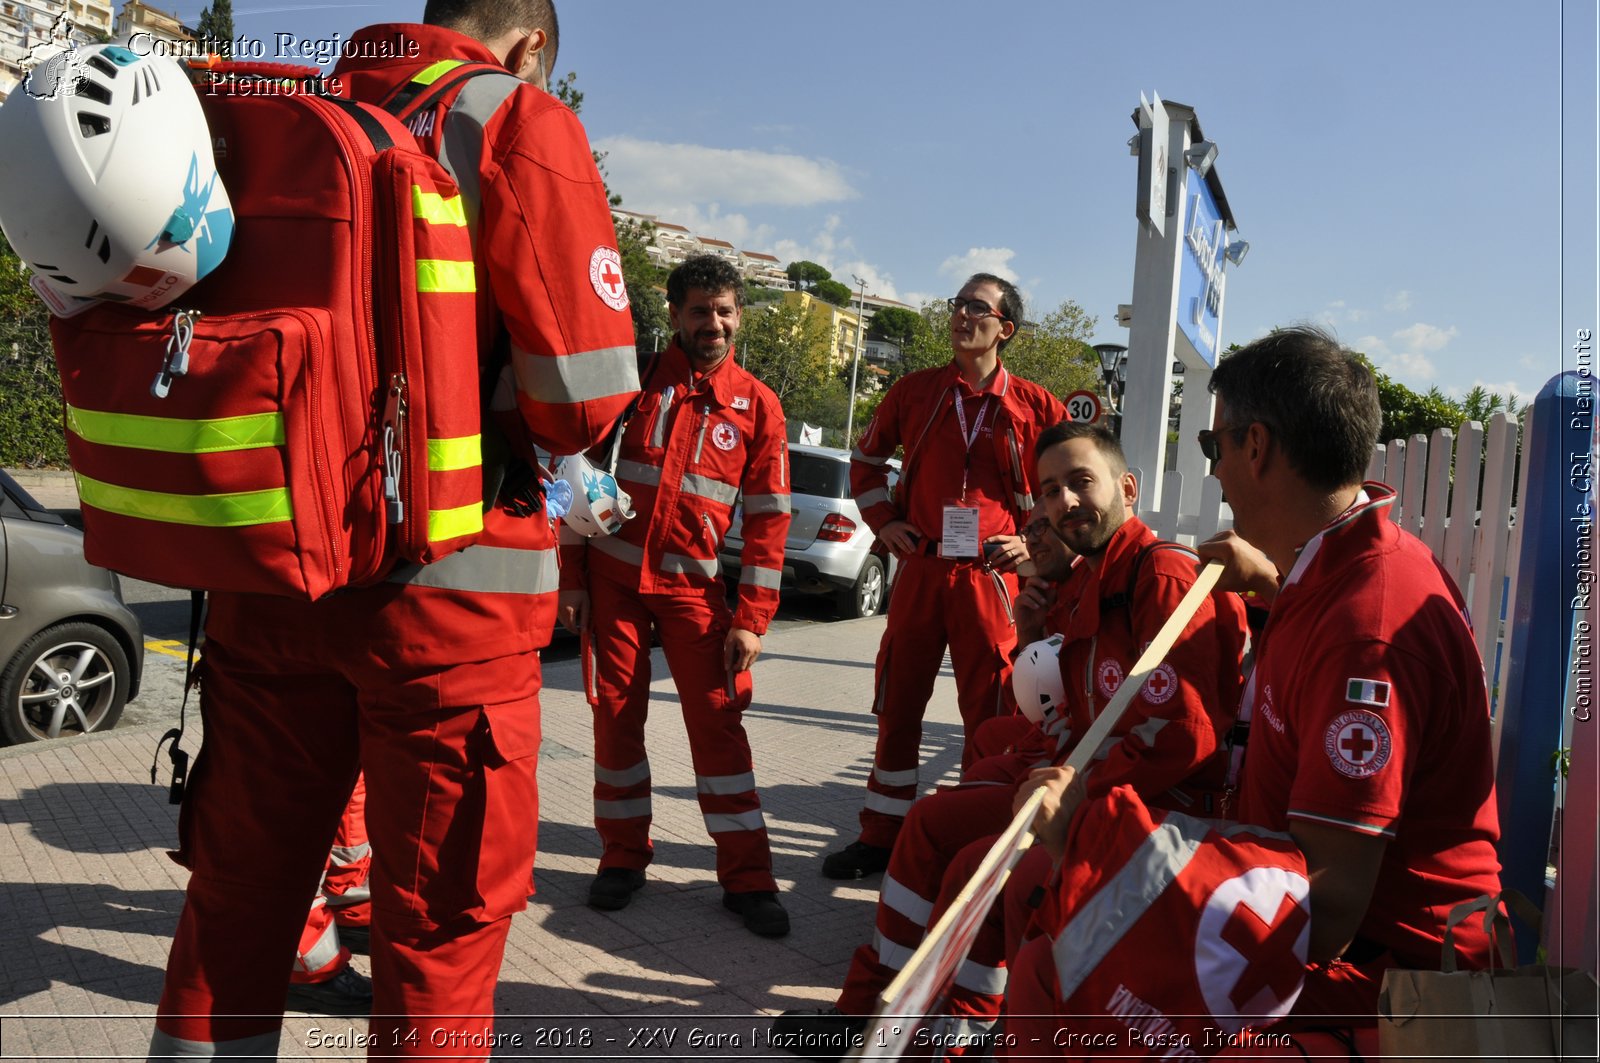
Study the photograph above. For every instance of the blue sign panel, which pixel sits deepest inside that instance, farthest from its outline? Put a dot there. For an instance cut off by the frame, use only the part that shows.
(1200, 278)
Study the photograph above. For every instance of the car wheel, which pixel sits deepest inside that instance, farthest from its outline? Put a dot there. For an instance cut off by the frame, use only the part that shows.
(69, 679)
(866, 597)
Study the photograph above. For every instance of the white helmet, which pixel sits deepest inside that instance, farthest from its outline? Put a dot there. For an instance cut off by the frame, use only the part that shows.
(108, 185)
(1036, 681)
(599, 506)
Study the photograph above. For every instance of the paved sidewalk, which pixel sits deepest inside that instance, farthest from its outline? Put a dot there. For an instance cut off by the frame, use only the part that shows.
(90, 898)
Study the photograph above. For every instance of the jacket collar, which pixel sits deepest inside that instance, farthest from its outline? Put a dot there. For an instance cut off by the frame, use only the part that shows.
(1111, 577)
(720, 383)
(432, 43)
(999, 384)
(1352, 532)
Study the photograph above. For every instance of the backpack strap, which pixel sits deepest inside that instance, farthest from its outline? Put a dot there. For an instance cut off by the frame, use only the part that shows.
(1124, 599)
(433, 84)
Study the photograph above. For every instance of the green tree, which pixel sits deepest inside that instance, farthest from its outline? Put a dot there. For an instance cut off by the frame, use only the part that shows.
(895, 324)
(216, 27)
(1406, 413)
(30, 391)
(1055, 353)
(806, 274)
(789, 349)
(832, 291)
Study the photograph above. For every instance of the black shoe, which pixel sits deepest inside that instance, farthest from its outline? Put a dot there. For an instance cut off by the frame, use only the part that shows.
(820, 1033)
(856, 860)
(347, 993)
(613, 888)
(355, 938)
(761, 911)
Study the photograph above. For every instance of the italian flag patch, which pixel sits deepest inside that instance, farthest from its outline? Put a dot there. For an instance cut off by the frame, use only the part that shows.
(1366, 692)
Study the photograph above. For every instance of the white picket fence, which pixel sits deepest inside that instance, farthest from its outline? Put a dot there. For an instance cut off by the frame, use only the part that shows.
(1477, 545)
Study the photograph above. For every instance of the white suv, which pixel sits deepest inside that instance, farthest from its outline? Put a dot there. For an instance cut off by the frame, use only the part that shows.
(829, 549)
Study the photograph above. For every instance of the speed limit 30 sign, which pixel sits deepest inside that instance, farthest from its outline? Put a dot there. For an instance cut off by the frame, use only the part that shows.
(1083, 406)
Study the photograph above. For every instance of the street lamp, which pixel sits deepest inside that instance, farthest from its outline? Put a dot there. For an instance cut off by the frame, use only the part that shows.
(855, 361)
(1114, 368)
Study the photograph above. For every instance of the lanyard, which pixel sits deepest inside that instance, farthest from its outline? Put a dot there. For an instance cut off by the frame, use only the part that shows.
(969, 437)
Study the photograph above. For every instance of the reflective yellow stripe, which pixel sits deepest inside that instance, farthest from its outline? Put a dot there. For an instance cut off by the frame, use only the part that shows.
(430, 74)
(448, 455)
(445, 275)
(435, 209)
(451, 523)
(237, 510)
(174, 435)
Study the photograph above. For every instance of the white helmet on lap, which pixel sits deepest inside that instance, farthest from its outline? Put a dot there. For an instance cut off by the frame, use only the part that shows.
(108, 185)
(1036, 681)
(599, 506)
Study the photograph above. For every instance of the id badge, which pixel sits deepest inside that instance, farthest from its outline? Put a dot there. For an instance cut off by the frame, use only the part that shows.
(960, 537)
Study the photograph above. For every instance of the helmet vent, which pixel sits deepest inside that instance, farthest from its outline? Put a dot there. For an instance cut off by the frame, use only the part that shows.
(102, 65)
(94, 227)
(95, 91)
(105, 249)
(62, 278)
(93, 125)
(152, 84)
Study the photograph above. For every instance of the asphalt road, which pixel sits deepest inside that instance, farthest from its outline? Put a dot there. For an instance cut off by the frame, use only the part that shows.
(164, 613)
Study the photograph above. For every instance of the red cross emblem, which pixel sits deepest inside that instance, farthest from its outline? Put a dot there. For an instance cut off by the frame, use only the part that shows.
(605, 273)
(1162, 684)
(1357, 743)
(1268, 949)
(1250, 945)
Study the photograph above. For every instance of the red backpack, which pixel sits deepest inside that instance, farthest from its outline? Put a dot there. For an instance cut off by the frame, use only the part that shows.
(308, 415)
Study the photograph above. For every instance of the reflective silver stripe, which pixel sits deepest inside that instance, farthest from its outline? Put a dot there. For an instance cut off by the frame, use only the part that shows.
(689, 566)
(165, 1046)
(981, 979)
(487, 570)
(766, 504)
(323, 952)
(949, 1030)
(727, 823)
(1120, 903)
(905, 900)
(349, 898)
(639, 472)
(891, 954)
(706, 487)
(349, 854)
(578, 377)
(614, 547)
(461, 143)
(1148, 730)
(868, 459)
(872, 498)
(1024, 502)
(895, 778)
(766, 578)
(633, 776)
(639, 806)
(888, 806)
(725, 785)
(1106, 747)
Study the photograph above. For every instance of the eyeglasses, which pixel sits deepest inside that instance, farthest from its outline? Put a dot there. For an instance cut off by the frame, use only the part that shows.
(974, 308)
(1208, 440)
(1036, 531)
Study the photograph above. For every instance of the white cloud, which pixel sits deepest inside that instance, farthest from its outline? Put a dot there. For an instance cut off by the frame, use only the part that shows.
(737, 229)
(1411, 367)
(1424, 337)
(1398, 302)
(1339, 313)
(996, 260)
(664, 178)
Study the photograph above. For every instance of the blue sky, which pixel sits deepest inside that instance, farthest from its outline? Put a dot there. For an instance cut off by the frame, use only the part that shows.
(1420, 174)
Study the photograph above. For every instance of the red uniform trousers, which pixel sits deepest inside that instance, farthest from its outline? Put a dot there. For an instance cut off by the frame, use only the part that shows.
(449, 753)
(345, 898)
(936, 603)
(692, 627)
(930, 864)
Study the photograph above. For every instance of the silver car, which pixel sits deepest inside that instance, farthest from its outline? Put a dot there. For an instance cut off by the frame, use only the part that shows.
(829, 549)
(70, 651)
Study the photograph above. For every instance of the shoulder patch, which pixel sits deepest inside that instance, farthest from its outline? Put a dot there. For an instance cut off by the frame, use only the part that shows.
(1367, 691)
(1357, 744)
(605, 274)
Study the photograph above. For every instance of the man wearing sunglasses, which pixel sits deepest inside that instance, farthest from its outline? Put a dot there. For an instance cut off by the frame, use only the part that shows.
(967, 484)
(1367, 712)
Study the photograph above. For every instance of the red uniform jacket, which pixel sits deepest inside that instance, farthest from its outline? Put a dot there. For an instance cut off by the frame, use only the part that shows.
(691, 450)
(905, 417)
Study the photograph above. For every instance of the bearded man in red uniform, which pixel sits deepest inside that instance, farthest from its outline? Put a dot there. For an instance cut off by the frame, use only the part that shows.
(429, 682)
(706, 435)
(966, 488)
